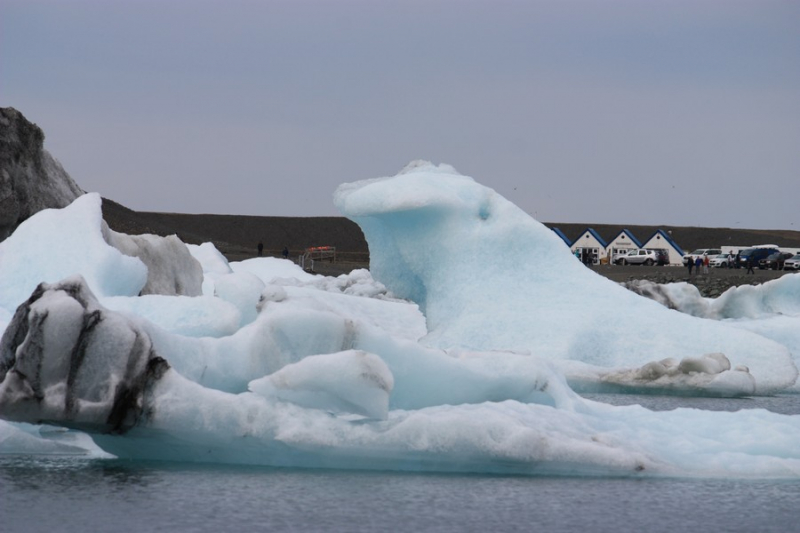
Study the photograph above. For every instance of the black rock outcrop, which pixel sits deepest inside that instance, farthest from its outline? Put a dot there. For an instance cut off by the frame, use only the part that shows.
(30, 178)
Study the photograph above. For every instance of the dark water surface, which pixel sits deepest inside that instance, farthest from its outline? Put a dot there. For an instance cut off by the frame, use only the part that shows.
(74, 494)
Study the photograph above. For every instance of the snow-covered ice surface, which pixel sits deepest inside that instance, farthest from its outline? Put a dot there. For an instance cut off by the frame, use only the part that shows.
(449, 355)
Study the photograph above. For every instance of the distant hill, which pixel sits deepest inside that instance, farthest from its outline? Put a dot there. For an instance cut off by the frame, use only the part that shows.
(236, 236)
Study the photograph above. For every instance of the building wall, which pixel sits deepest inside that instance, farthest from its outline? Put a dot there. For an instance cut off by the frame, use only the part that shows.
(587, 240)
(621, 243)
(657, 241)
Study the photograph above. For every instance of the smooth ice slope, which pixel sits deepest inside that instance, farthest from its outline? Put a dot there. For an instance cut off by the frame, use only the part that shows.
(56, 243)
(489, 277)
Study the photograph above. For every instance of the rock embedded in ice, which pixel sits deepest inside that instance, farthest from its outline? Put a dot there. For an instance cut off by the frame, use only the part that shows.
(66, 360)
(489, 277)
(346, 382)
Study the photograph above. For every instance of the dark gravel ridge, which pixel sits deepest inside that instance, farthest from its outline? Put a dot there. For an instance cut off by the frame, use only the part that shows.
(236, 237)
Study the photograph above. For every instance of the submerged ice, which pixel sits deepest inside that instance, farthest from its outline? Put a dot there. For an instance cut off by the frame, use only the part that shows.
(455, 352)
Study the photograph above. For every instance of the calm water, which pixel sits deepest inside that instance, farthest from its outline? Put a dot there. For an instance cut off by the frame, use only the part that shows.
(72, 494)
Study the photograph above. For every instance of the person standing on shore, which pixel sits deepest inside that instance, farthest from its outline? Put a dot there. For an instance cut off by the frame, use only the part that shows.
(260, 248)
(705, 263)
(750, 263)
(690, 264)
(285, 252)
(697, 264)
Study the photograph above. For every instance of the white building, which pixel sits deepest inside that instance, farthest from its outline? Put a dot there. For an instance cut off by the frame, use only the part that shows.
(660, 239)
(589, 247)
(623, 243)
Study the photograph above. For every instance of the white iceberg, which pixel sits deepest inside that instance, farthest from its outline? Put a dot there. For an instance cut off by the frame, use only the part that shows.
(273, 366)
(489, 277)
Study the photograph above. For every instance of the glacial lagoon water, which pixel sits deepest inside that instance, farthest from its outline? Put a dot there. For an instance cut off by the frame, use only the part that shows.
(48, 494)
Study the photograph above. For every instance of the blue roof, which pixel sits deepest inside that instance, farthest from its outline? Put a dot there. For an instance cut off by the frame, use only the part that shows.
(563, 237)
(594, 234)
(667, 238)
(630, 236)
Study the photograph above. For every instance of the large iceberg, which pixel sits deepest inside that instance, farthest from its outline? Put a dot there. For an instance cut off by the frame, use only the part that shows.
(489, 277)
(450, 354)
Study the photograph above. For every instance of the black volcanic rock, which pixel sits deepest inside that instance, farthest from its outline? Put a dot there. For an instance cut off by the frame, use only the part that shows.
(30, 178)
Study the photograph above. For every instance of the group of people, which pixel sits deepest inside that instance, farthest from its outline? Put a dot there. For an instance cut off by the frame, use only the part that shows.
(698, 263)
(260, 248)
(733, 262)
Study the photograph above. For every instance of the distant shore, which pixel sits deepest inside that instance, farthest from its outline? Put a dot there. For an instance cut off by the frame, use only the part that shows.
(237, 236)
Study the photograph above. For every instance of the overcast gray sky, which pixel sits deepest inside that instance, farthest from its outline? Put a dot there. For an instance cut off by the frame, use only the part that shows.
(632, 112)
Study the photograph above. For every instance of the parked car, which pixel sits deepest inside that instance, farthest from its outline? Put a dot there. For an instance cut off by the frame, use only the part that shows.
(774, 261)
(793, 263)
(719, 261)
(662, 256)
(640, 257)
(700, 252)
(757, 254)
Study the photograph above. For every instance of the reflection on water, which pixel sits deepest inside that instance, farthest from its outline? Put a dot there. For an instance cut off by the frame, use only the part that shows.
(103, 495)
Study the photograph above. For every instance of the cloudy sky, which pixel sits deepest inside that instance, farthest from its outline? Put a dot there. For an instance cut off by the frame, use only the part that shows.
(632, 112)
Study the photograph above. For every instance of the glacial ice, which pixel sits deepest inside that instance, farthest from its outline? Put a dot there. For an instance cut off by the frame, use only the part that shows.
(771, 309)
(171, 269)
(56, 243)
(489, 277)
(354, 382)
(274, 366)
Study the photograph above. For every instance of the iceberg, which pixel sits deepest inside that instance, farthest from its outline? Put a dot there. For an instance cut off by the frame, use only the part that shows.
(455, 352)
(489, 277)
(771, 309)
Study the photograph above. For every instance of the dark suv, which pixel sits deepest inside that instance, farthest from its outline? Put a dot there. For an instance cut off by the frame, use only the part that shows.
(757, 254)
(662, 256)
(774, 261)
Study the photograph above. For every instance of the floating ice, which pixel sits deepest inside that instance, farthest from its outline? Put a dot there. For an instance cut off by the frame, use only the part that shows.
(56, 243)
(171, 269)
(489, 277)
(118, 387)
(274, 366)
(27, 439)
(202, 316)
(346, 382)
(709, 375)
(775, 297)
(771, 310)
